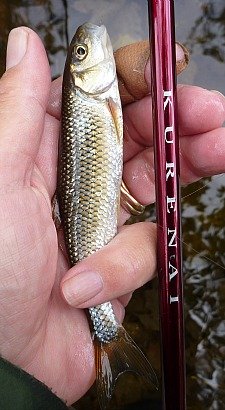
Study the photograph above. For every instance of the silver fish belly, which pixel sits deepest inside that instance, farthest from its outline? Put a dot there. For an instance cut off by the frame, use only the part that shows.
(89, 184)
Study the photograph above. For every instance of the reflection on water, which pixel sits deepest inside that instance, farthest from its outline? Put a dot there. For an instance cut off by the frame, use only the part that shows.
(118, 16)
(204, 291)
(201, 26)
(209, 29)
(48, 18)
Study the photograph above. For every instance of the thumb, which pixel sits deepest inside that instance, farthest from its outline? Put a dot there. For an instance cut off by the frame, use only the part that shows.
(24, 92)
(133, 69)
(115, 270)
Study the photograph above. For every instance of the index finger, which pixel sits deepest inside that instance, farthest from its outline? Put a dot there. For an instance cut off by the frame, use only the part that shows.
(133, 69)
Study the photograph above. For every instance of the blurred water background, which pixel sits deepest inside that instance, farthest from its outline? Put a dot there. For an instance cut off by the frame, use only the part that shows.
(200, 25)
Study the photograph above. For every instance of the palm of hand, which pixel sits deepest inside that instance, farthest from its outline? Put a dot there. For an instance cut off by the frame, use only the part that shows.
(42, 334)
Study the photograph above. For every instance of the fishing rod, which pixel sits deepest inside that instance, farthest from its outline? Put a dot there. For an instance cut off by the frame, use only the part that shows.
(166, 148)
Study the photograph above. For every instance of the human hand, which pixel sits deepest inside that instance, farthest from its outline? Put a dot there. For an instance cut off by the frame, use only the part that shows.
(39, 331)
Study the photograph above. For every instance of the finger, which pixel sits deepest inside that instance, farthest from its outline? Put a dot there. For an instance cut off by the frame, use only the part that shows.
(118, 309)
(199, 111)
(137, 119)
(133, 69)
(202, 155)
(139, 176)
(24, 91)
(125, 299)
(55, 98)
(47, 156)
(48, 151)
(117, 269)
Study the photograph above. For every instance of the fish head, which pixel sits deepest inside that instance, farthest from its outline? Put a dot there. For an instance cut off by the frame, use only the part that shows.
(91, 61)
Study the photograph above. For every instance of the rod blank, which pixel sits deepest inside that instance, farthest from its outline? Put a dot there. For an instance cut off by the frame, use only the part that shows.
(166, 145)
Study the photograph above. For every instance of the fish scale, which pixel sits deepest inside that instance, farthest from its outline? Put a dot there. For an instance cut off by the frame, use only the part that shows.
(89, 186)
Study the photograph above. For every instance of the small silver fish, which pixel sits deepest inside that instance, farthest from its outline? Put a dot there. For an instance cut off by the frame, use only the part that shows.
(89, 180)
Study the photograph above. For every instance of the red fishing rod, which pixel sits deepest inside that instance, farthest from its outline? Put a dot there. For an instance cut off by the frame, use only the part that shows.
(166, 145)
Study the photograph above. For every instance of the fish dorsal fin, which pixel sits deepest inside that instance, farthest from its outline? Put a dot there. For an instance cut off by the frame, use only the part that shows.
(113, 359)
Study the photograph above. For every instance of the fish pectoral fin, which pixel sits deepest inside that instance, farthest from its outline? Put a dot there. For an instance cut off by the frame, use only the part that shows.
(113, 359)
(116, 112)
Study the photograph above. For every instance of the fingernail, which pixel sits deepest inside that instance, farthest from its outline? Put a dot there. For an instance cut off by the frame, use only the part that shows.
(16, 47)
(182, 57)
(218, 92)
(82, 287)
(221, 96)
(179, 52)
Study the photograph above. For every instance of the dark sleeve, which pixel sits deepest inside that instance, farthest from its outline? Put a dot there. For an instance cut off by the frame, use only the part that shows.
(21, 391)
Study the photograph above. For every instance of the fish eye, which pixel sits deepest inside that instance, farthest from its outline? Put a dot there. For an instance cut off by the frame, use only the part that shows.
(81, 51)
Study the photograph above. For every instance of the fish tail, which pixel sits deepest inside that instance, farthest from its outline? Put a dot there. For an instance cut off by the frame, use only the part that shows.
(116, 357)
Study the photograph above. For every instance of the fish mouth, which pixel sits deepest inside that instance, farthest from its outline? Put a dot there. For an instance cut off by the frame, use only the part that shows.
(93, 28)
(99, 32)
(105, 40)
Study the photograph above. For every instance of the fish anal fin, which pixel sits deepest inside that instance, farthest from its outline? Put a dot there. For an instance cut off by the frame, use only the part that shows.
(58, 225)
(55, 213)
(115, 358)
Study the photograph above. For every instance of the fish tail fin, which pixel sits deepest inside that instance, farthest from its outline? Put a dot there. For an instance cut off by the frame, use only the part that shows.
(113, 359)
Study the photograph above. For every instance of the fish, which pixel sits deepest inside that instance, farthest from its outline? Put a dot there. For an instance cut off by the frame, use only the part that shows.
(88, 189)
